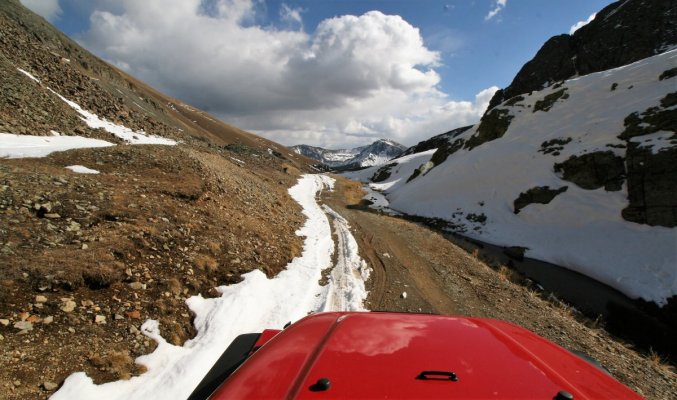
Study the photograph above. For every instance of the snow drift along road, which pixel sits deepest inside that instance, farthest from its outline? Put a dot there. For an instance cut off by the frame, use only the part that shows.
(252, 305)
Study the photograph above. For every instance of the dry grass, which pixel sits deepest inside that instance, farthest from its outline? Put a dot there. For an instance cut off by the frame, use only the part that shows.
(533, 293)
(505, 273)
(656, 359)
(118, 363)
(121, 364)
(597, 323)
(205, 262)
(214, 247)
(352, 190)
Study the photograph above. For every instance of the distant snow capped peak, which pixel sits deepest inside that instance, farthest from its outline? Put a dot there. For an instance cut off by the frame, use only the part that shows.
(377, 153)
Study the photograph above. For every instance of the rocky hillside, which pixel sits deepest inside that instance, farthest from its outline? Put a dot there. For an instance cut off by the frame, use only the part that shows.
(94, 241)
(376, 153)
(622, 33)
(580, 173)
(29, 43)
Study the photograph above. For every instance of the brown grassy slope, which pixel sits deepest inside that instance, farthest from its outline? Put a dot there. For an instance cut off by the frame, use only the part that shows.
(28, 42)
(85, 259)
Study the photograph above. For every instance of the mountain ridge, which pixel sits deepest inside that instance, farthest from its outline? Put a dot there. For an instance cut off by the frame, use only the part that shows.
(621, 33)
(376, 153)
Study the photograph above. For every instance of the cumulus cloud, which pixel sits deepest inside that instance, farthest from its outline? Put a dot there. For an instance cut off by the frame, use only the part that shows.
(48, 9)
(498, 7)
(291, 15)
(353, 79)
(578, 25)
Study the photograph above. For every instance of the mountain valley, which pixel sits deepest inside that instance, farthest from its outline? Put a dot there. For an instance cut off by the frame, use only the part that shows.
(139, 234)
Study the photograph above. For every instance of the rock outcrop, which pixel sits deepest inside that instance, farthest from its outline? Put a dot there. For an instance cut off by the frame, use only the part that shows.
(623, 32)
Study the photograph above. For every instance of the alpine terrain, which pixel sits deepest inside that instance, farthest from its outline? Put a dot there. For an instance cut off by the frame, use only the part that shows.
(377, 153)
(139, 235)
(575, 163)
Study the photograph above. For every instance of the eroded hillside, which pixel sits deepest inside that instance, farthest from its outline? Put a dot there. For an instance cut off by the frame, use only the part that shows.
(88, 257)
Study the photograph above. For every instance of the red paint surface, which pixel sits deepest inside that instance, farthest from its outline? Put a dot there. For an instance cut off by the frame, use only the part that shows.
(379, 356)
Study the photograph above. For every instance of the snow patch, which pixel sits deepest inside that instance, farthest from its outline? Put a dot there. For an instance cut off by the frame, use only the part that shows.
(81, 169)
(378, 200)
(657, 141)
(20, 146)
(29, 75)
(132, 137)
(93, 121)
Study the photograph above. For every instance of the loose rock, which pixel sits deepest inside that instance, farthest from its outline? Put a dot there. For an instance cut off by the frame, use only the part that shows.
(68, 306)
(23, 325)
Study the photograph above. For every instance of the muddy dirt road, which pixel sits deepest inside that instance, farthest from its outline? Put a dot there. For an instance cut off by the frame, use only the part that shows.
(418, 270)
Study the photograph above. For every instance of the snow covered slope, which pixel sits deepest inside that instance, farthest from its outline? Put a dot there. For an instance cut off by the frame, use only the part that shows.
(563, 171)
(376, 153)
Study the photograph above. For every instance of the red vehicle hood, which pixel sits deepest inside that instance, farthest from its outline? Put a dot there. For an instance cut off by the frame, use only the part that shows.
(382, 355)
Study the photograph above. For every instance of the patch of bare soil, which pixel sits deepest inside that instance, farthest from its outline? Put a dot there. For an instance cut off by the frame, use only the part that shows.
(440, 277)
(86, 259)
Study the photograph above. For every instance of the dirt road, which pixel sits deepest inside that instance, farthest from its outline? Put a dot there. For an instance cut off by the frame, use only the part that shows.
(418, 270)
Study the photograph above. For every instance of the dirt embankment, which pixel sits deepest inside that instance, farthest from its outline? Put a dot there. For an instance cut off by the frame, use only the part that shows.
(440, 277)
(86, 259)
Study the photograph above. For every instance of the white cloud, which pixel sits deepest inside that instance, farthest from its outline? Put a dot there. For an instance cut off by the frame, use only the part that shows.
(578, 25)
(48, 9)
(291, 15)
(353, 79)
(499, 6)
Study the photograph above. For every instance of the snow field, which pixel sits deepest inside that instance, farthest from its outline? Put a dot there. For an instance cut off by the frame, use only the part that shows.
(582, 230)
(21, 146)
(252, 305)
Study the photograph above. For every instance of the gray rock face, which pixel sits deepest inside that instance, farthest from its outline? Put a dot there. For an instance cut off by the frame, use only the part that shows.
(383, 173)
(623, 32)
(651, 186)
(652, 175)
(493, 125)
(436, 142)
(594, 170)
(539, 194)
(549, 101)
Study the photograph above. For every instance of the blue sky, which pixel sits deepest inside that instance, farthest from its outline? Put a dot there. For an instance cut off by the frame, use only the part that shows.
(301, 71)
(476, 53)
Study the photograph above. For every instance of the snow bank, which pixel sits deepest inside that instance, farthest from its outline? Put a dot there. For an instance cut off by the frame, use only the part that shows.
(81, 169)
(582, 230)
(132, 137)
(402, 168)
(252, 305)
(20, 146)
(94, 122)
